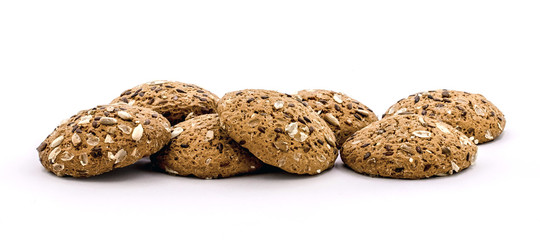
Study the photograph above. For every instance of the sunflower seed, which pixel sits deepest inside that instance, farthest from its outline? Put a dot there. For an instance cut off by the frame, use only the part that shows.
(176, 131)
(53, 154)
(406, 147)
(391, 110)
(443, 129)
(85, 120)
(331, 119)
(107, 121)
(362, 113)
(125, 115)
(137, 133)
(190, 116)
(57, 141)
(400, 111)
(422, 134)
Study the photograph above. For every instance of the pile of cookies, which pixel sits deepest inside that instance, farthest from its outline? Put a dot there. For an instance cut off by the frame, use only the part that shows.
(188, 131)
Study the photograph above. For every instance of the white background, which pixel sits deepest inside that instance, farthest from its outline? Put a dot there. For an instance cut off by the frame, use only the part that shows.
(58, 57)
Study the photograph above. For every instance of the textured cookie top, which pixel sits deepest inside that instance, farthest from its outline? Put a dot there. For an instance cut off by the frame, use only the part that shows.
(103, 138)
(470, 113)
(174, 100)
(408, 146)
(279, 130)
(343, 114)
(200, 147)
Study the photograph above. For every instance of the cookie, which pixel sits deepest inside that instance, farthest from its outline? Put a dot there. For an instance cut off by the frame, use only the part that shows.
(471, 114)
(343, 114)
(408, 146)
(279, 130)
(103, 138)
(174, 100)
(200, 147)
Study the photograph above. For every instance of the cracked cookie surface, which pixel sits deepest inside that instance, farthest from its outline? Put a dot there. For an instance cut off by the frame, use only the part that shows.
(343, 114)
(176, 101)
(199, 147)
(408, 146)
(470, 113)
(103, 138)
(279, 130)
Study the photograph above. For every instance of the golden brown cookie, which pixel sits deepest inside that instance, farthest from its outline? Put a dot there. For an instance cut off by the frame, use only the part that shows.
(408, 146)
(471, 114)
(343, 114)
(103, 138)
(278, 130)
(174, 100)
(200, 147)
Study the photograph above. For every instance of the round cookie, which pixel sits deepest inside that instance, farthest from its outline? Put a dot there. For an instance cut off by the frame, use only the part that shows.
(343, 114)
(200, 147)
(174, 100)
(103, 138)
(278, 130)
(469, 113)
(408, 146)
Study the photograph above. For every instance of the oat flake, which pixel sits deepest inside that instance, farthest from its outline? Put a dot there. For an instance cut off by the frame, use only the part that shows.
(488, 135)
(338, 98)
(66, 156)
